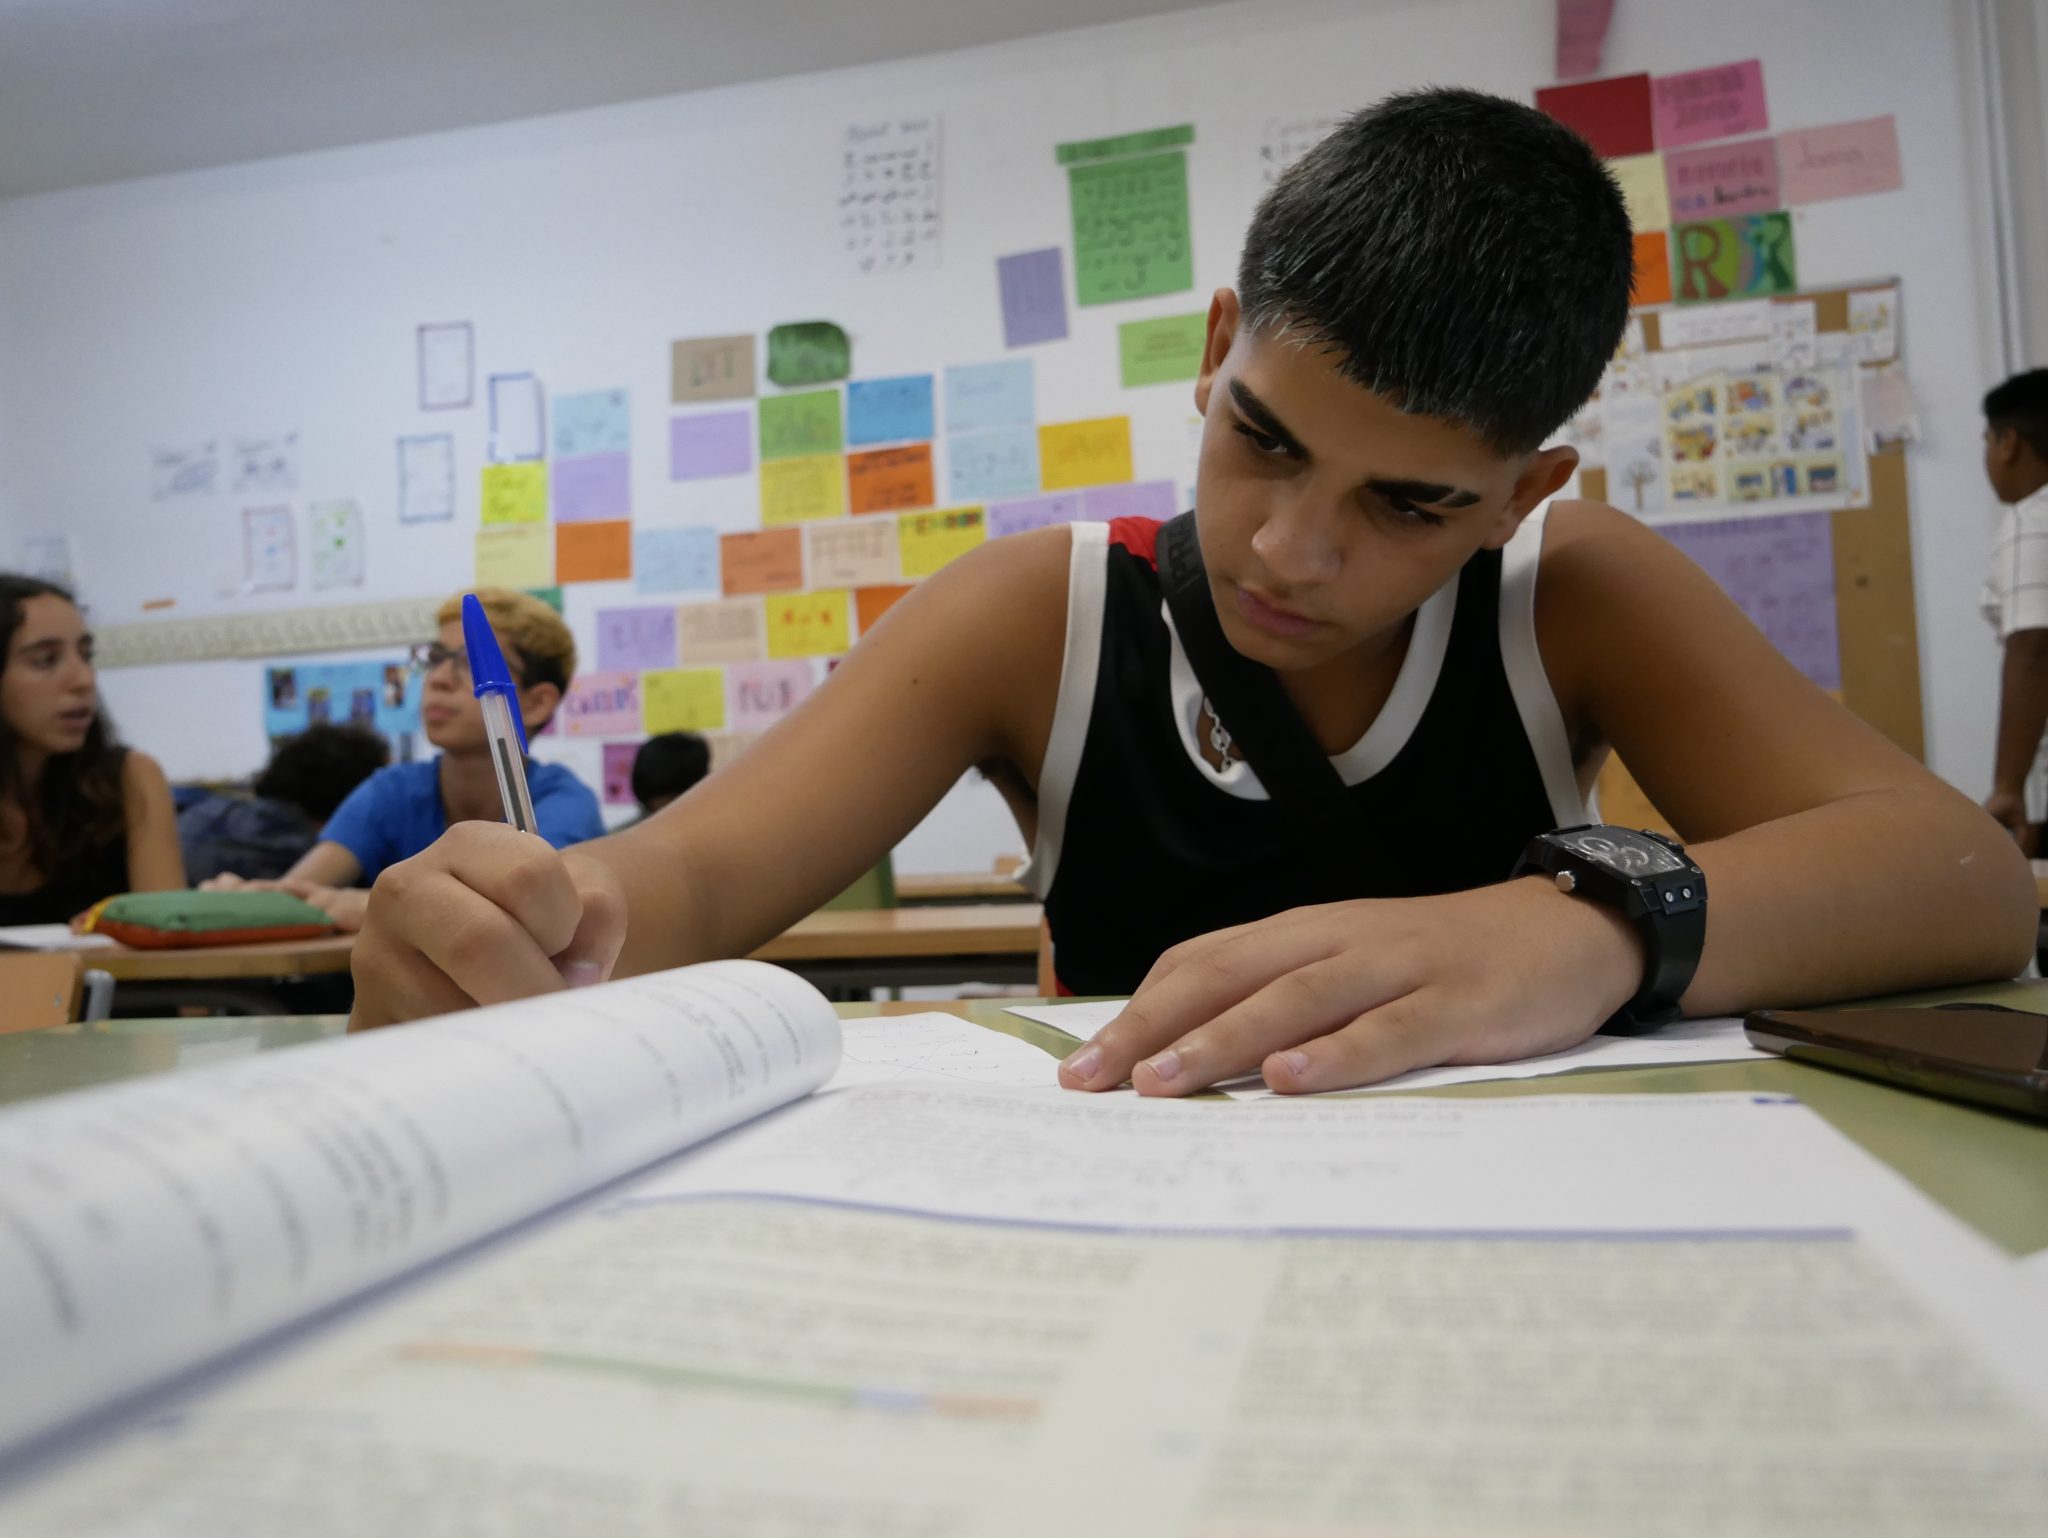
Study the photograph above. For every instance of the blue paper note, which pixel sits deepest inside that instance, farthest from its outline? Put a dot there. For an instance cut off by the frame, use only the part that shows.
(675, 560)
(593, 423)
(1034, 297)
(981, 466)
(889, 410)
(985, 395)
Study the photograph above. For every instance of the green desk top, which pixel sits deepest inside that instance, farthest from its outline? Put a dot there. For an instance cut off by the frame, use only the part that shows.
(1989, 1169)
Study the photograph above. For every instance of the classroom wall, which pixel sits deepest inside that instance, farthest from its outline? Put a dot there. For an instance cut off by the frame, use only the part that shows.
(283, 295)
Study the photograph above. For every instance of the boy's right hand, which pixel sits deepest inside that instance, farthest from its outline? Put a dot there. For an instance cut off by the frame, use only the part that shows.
(484, 915)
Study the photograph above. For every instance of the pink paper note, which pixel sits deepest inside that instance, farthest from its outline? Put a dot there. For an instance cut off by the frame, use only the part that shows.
(1581, 35)
(1842, 160)
(758, 694)
(1713, 103)
(602, 705)
(1723, 180)
(618, 772)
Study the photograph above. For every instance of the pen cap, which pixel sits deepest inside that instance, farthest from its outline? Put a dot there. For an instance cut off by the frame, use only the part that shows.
(487, 669)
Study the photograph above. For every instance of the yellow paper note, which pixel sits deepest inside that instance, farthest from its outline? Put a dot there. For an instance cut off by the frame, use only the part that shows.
(683, 699)
(799, 490)
(522, 556)
(928, 541)
(1092, 453)
(807, 624)
(515, 493)
(1644, 189)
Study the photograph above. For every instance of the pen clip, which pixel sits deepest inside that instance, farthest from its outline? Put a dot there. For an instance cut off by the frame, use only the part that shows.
(487, 669)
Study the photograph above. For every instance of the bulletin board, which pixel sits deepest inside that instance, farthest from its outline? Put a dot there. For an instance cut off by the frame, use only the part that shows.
(1875, 620)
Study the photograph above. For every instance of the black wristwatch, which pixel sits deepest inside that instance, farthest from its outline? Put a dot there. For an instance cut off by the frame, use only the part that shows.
(1655, 887)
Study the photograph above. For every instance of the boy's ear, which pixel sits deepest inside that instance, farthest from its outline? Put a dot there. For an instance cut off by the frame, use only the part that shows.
(1546, 471)
(537, 704)
(1223, 322)
(2005, 445)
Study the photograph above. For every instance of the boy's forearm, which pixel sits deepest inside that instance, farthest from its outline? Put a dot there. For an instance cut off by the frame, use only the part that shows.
(665, 922)
(2022, 709)
(1880, 892)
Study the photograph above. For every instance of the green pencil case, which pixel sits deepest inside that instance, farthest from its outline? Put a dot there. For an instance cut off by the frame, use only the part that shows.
(177, 920)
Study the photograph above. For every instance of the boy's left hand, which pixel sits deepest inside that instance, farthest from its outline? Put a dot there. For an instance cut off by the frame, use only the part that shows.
(1350, 993)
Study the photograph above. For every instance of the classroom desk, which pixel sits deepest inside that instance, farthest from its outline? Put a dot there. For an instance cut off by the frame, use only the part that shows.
(986, 886)
(1988, 1169)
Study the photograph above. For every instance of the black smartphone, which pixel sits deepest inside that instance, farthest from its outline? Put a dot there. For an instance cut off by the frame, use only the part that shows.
(1983, 1053)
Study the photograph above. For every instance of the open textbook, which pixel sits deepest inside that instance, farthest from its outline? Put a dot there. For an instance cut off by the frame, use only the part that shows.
(923, 1306)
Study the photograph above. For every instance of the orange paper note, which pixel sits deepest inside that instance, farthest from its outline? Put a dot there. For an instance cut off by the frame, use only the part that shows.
(871, 603)
(1653, 270)
(884, 480)
(771, 561)
(594, 552)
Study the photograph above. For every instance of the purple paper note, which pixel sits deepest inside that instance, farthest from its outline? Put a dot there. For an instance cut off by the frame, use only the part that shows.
(602, 705)
(592, 488)
(758, 694)
(1034, 297)
(1032, 513)
(633, 640)
(1723, 180)
(618, 772)
(709, 443)
(1137, 499)
(1781, 573)
(1716, 103)
(1842, 160)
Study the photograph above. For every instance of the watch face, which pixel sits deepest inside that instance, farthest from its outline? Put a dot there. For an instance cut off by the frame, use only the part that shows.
(1623, 852)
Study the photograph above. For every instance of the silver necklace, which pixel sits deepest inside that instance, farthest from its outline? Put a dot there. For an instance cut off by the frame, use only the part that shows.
(1219, 739)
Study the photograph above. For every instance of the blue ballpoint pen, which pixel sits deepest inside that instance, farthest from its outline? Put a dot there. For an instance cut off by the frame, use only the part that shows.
(503, 723)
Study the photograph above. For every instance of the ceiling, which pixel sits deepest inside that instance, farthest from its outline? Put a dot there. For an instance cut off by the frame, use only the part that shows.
(104, 90)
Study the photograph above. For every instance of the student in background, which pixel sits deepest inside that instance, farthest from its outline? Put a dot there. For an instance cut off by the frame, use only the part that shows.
(666, 766)
(263, 834)
(2015, 597)
(399, 811)
(81, 817)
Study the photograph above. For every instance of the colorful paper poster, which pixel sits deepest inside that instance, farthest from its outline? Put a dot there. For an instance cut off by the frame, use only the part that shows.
(675, 560)
(518, 419)
(861, 553)
(706, 444)
(724, 630)
(1131, 228)
(808, 624)
(1734, 258)
(618, 772)
(1284, 140)
(1749, 414)
(980, 396)
(426, 478)
(1140, 499)
(1842, 160)
(1874, 325)
(380, 695)
(1034, 297)
(1644, 189)
(871, 603)
(1612, 115)
(593, 552)
(1814, 405)
(1653, 270)
(981, 466)
(1795, 332)
(758, 694)
(270, 550)
(334, 545)
(771, 561)
(895, 410)
(1716, 103)
(1747, 321)
(1089, 453)
(796, 425)
(447, 365)
(601, 705)
(889, 194)
(1161, 351)
(1692, 440)
(634, 640)
(1032, 513)
(1144, 142)
(808, 352)
(264, 466)
(1781, 573)
(683, 700)
(183, 474)
(595, 422)
(885, 480)
(1581, 36)
(592, 487)
(928, 541)
(1633, 441)
(521, 556)
(1723, 180)
(514, 494)
(711, 368)
(551, 596)
(799, 490)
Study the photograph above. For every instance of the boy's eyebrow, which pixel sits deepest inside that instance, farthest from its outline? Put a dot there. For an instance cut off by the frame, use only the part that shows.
(1429, 493)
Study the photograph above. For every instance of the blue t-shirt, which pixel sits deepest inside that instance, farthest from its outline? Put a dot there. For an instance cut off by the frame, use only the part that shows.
(397, 812)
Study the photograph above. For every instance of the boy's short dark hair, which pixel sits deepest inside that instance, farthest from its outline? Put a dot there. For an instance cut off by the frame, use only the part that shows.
(1468, 258)
(316, 770)
(2021, 404)
(668, 765)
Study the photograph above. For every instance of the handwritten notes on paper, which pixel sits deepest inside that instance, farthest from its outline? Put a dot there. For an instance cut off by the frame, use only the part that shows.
(1842, 160)
(706, 444)
(518, 419)
(1734, 258)
(675, 560)
(771, 561)
(1085, 453)
(895, 410)
(426, 478)
(758, 694)
(1161, 351)
(799, 490)
(1032, 513)
(1723, 180)
(1137, 499)
(515, 494)
(593, 552)
(633, 640)
(861, 553)
(334, 545)
(447, 365)
(711, 368)
(595, 422)
(1282, 141)
(889, 194)
(265, 466)
(682, 700)
(928, 541)
(885, 480)
(1003, 463)
(270, 550)
(1716, 103)
(985, 395)
(592, 487)
(1131, 235)
(1781, 573)
(808, 625)
(519, 556)
(807, 352)
(181, 474)
(725, 630)
(601, 705)
(1034, 297)
(807, 423)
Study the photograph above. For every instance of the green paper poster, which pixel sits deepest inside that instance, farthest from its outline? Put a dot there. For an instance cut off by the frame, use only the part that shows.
(1131, 228)
(794, 425)
(1733, 258)
(1163, 350)
(551, 596)
(808, 352)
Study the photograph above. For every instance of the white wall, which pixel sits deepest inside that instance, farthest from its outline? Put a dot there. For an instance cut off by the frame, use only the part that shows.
(283, 295)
